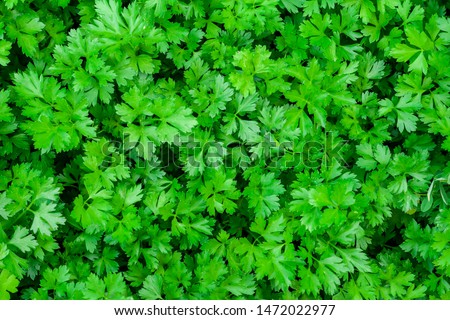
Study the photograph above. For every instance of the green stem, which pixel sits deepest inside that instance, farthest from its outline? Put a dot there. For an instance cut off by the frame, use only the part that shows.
(12, 222)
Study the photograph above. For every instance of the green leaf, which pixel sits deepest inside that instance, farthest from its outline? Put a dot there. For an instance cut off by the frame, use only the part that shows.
(4, 201)
(406, 121)
(291, 5)
(418, 241)
(235, 149)
(354, 258)
(327, 277)
(107, 262)
(366, 8)
(309, 282)
(5, 47)
(443, 193)
(8, 284)
(382, 154)
(243, 82)
(55, 279)
(426, 204)
(263, 194)
(403, 52)
(25, 29)
(278, 267)
(443, 24)
(46, 219)
(399, 282)
(404, 8)
(240, 285)
(272, 231)
(220, 192)
(133, 195)
(136, 106)
(23, 240)
(443, 261)
(95, 287)
(93, 214)
(152, 288)
(174, 120)
(112, 287)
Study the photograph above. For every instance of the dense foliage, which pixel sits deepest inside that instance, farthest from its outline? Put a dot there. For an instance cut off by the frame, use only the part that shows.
(222, 149)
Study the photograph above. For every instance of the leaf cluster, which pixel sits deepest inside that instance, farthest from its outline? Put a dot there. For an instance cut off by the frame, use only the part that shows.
(237, 149)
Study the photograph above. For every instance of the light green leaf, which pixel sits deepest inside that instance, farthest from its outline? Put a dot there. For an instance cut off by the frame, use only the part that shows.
(22, 240)
(152, 288)
(46, 219)
(8, 284)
